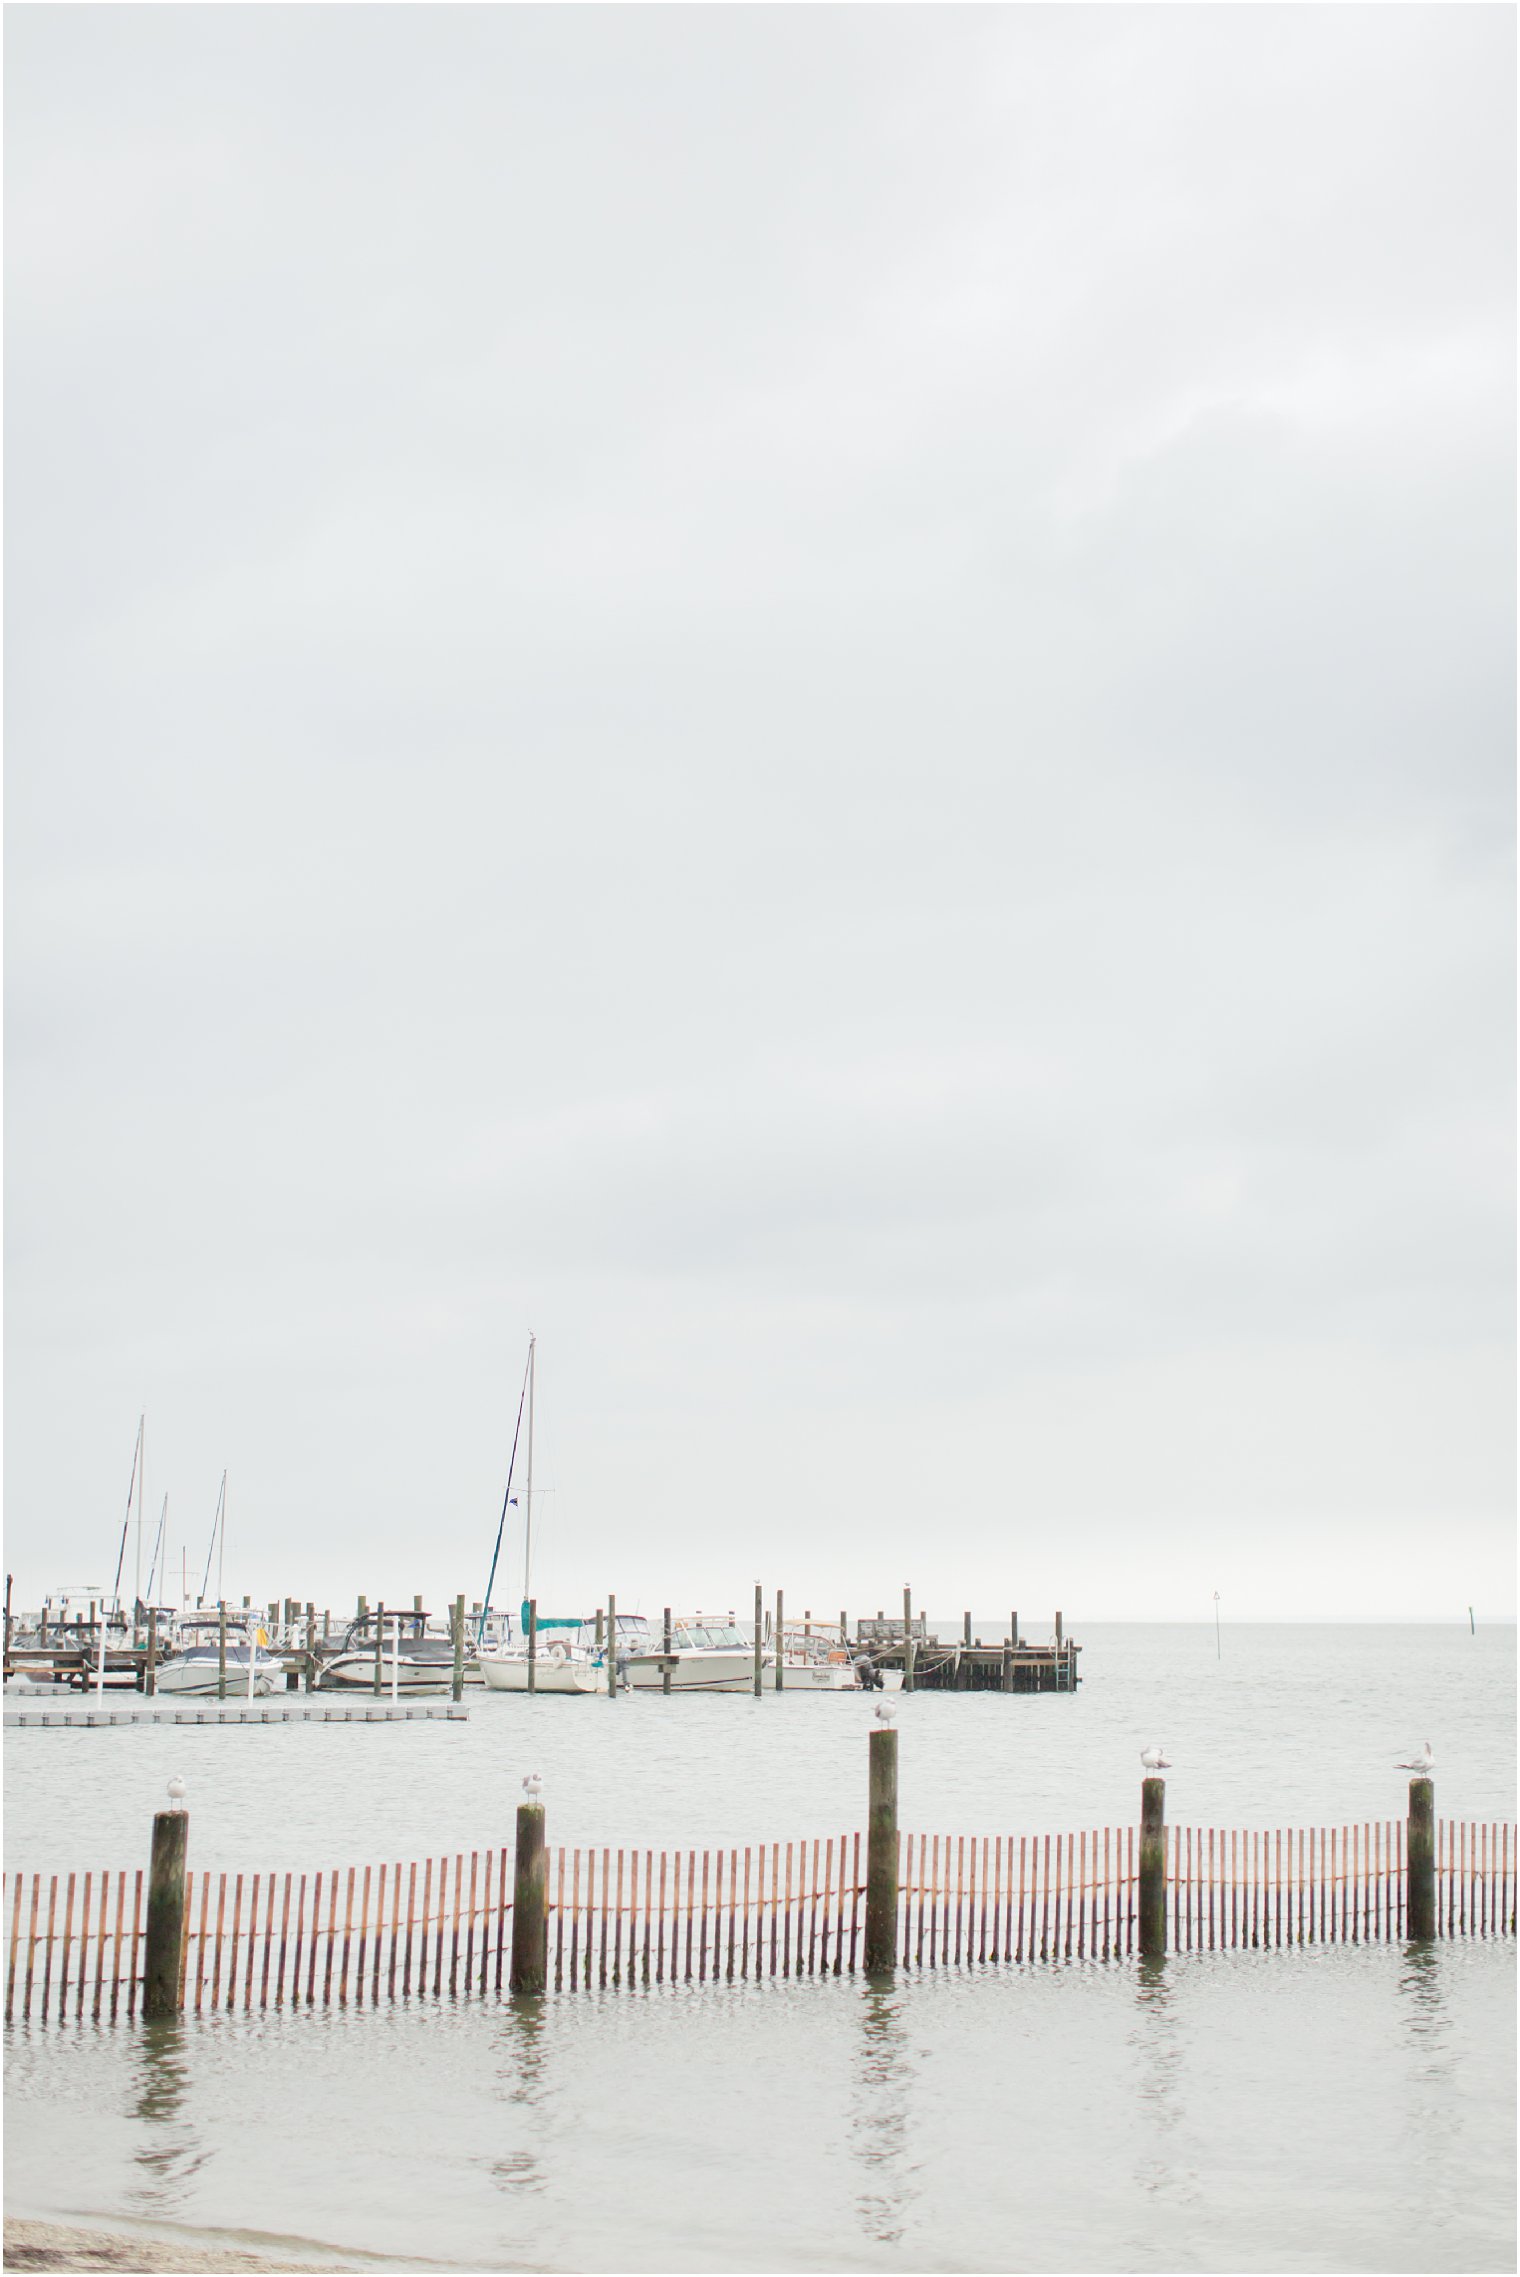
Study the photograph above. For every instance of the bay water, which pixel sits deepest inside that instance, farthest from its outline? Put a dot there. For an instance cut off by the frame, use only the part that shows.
(1320, 2109)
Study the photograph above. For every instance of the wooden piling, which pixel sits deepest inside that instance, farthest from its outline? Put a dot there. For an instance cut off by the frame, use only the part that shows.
(150, 1664)
(380, 1648)
(611, 1648)
(908, 1653)
(759, 1640)
(881, 1855)
(1421, 1855)
(532, 1644)
(456, 1623)
(665, 1641)
(221, 1650)
(779, 1654)
(1152, 1898)
(166, 1913)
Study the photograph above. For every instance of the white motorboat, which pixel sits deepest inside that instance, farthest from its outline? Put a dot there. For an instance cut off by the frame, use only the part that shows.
(411, 1658)
(196, 1666)
(704, 1656)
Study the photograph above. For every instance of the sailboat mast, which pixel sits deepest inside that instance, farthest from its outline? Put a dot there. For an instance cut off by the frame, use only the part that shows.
(142, 1464)
(221, 1541)
(528, 1520)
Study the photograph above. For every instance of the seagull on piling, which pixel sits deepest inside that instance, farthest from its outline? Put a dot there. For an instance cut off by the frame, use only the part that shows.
(176, 1793)
(885, 1710)
(1153, 1759)
(533, 1787)
(1424, 1761)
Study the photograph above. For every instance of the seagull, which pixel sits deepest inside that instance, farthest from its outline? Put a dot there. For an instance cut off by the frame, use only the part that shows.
(1153, 1759)
(1424, 1761)
(885, 1711)
(176, 1793)
(533, 1787)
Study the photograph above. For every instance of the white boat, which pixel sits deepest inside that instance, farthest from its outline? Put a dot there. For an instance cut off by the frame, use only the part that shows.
(195, 1664)
(560, 1658)
(411, 1658)
(704, 1656)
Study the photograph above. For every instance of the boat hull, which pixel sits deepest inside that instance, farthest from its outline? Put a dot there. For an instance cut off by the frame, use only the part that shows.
(508, 1672)
(198, 1679)
(355, 1672)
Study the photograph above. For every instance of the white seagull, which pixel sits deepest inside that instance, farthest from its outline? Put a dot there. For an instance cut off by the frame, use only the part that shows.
(885, 1711)
(533, 1787)
(176, 1793)
(1424, 1761)
(1153, 1759)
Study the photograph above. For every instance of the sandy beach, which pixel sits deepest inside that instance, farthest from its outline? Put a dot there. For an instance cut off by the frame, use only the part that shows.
(50, 2245)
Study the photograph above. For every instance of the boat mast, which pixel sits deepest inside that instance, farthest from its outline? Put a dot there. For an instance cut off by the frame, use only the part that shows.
(528, 1520)
(142, 1464)
(221, 1541)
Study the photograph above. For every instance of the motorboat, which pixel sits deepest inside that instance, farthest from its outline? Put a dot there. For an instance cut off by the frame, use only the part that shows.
(195, 1665)
(411, 1657)
(704, 1656)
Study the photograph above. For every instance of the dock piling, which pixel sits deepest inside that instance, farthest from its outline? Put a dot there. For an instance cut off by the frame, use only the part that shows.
(1421, 1853)
(881, 1855)
(908, 1653)
(380, 1648)
(779, 1655)
(456, 1623)
(665, 1648)
(530, 1904)
(150, 1665)
(166, 1913)
(1152, 1900)
(221, 1650)
(532, 1644)
(759, 1640)
(611, 1648)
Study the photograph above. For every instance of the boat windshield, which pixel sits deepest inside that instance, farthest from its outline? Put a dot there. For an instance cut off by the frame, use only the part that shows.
(710, 1636)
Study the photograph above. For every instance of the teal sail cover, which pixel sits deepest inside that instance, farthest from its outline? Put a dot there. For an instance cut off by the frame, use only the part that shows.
(571, 1621)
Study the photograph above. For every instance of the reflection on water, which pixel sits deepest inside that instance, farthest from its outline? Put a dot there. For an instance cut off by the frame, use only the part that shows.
(879, 2115)
(1159, 2042)
(523, 2047)
(167, 2152)
(1434, 2112)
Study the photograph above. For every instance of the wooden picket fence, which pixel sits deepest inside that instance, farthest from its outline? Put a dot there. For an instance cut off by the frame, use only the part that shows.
(637, 1917)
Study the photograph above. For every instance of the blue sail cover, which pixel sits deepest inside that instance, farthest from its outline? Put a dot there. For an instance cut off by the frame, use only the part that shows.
(573, 1621)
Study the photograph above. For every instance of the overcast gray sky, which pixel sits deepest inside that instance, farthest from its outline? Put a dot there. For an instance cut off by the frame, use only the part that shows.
(817, 699)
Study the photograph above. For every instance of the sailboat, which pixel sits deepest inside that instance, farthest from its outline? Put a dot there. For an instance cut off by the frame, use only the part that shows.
(566, 1647)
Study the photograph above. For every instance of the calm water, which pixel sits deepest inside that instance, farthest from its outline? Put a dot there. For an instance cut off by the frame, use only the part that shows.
(1334, 2109)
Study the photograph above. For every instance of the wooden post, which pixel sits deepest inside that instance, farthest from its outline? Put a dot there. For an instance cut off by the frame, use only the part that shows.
(530, 1907)
(881, 1855)
(166, 1913)
(611, 1647)
(456, 1623)
(1058, 1632)
(599, 1619)
(1152, 1912)
(221, 1650)
(908, 1653)
(532, 1644)
(665, 1647)
(844, 1629)
(1421, 1853)
(416, 1604)
(778, 1641)
(965, 1629)
(7, 1624)
(759, 1640)
(379, 1648)
(150, 1664)
(1007, 1668)
(1013, 1629)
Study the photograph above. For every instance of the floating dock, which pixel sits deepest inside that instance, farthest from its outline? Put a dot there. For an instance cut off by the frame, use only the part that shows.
(293, 1708)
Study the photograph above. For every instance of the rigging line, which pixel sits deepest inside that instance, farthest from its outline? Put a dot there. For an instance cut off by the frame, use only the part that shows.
(158, 1543)
(126, 1522)
(506, 1502)
(211, 1545)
